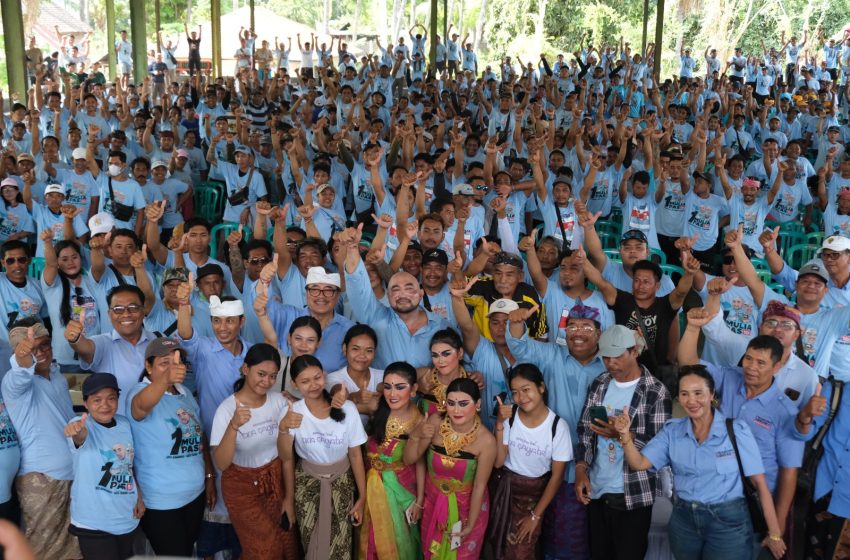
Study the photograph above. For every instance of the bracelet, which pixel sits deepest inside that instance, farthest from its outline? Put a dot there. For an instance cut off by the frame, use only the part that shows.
(417, 505)
(232, 426)
(775, 538)
(534, 517)
(625, 440)
(76, 340)
(209, 476)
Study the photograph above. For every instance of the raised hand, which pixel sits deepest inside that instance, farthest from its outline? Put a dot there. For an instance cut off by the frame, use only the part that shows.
(261, 299)
(74, 329)
(185, 289)
(734, 237)
(24, 349)
(176, 369)
(505, 410)
(292, 420)
(719, 286)
(424, 429)
(523, 313)
(340, 397)
(622, 422)
(235, 237)
(815, 407)
(459, 288)
(69, 211)
(78, 427)
(269, 271)
(263, 208)
(139, 258)
(241, 415)
(768, 238)
(699, 317)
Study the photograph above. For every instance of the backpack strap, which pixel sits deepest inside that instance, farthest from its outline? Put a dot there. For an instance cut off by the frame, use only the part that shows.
(513, 415)
(555, 426)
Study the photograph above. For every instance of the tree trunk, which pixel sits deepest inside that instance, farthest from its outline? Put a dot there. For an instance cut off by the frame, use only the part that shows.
(479, 27)
(398, 13)
(189, 13)
(356, 20)
(326, 16)
(84, 11)
(539, 22)
(450, 17)
(462, 13)
(381, 23)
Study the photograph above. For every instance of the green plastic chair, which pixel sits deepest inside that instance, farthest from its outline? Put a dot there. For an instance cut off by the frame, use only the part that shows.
(788, 239)
(671, 269)
(815, 238)
(662, 258)
(609, 240)
(760, 264)
(800, 254)
(36, 268)
(613, 255)
(208, 202)
(609, 226)
(220, 233)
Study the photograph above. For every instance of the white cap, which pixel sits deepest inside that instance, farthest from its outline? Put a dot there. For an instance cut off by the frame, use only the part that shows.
(9, 182)
(54, 188)
(324, 186)
(836, 243)
(158, 163)
(79, 153)
(503, 305)
(317, 275)
(463, 188)
(101, 222)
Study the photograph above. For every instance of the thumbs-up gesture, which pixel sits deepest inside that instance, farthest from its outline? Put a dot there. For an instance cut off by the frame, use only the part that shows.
(425, 429)
(505, 410)
(155, 210)
(235, 237)
(240, 416)
(733, 237)
(815, 407)
(622, 422)
(522, 314)
(768, 238)
(77, 428)
(339, 398)
(139, 258)
(184, 290)
(24, 349)
(292, 420)
(261, 299)
(176, 369)
(269, 271)
(74, 329)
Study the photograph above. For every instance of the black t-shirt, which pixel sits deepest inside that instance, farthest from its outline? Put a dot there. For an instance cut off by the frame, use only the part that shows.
(194, 46)
(653, 322)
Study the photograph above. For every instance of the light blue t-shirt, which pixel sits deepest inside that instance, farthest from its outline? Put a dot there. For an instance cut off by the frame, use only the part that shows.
(606, 472)
(126, 192)
(169, 443)
(702, 218)
(18, 303)
(86, 296)
(15, 219)
(104, 491)
(44, 219)
(10, 454)
(79, 189)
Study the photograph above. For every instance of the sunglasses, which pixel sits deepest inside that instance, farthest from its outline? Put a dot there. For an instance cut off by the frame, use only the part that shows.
(258, 260)
(20, 260)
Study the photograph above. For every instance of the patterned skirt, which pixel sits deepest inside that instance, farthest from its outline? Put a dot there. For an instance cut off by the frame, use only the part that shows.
(308, 490)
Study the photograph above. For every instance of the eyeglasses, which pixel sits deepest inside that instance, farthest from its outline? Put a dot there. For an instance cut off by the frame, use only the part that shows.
(484, 188)
(258, 260)
(327, 292)
(132, 309)
(781, 325)
(20, 260)
(397, 386)
(831, 255)
(587, 329)
(43, 347)
(509, 259)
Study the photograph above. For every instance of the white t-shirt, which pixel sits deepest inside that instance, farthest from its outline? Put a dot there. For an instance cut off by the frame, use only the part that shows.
(532, 450)
(375, 384)
(256, 442)
(327, 441)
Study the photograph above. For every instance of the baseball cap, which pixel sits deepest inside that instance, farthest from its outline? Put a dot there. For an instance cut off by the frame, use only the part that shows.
(101, 222)
(97, 381)
(435, 255)
(634, 234)
(616, 340)
(54, 188)
(9, 182)
(176, 273)
(414, 246)
(158, 163)
(25, 157)
(503, 305)
(182, 153)
(79, 153)
(244, 150)
(162, 346)
(464, 189)
(318, 275)
(563, 179)
(324, 186)
(816, 268)
(209, 268)
(833, 243)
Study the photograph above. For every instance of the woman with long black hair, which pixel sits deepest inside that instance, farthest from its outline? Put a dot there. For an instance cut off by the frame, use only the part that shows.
(244, 447)
(330, 466)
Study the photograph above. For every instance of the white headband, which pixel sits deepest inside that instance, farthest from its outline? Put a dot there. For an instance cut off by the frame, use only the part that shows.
(220, 308)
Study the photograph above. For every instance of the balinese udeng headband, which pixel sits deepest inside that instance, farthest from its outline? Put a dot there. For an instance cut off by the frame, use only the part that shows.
(17, 334)
(220, 308)
(778, 309)
(749, 182)
(581, 311)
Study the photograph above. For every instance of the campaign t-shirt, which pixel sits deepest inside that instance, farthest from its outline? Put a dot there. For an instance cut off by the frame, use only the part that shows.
(532, 450)
(702, 218)
(256, 440)
(170, 463)
(104, 491)
(10, 454)
(15, 219)
(606, 472)
(326, 441)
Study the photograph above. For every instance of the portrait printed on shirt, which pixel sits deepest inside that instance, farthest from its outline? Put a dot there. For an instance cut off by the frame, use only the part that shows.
(186, 435)
(8, 436)
(9, 225)
(739, 316)
(117, 469)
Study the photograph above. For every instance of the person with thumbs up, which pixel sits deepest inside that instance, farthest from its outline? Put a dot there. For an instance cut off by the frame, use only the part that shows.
(106, 501)
(39, 405)
(244, 440)
(173, 464)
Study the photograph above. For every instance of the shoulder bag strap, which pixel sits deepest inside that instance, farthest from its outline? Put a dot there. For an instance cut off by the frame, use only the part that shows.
(834, 403)
(731, 431)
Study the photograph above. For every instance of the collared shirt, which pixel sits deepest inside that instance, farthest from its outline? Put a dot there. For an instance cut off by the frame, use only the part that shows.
(329, 351)
(115, 355)
(835, 296)
(705, 472)
(40, 408)
(650, 409)
(832, 476)
(770, 416)
(397, 342)
(216, 369)
(567, 380)
(494, 367)
(795, 378)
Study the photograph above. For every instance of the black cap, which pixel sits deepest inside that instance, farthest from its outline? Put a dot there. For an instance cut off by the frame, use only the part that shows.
(437, 256)
(97, 381)
(209, 268)
(702, 175)
(414, 246)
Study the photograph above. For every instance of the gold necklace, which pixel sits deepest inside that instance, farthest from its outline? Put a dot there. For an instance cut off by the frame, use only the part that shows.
(453, 441)
(438, 390)
(397, 427)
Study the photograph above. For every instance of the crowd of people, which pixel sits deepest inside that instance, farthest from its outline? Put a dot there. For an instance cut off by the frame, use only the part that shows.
(441, 312)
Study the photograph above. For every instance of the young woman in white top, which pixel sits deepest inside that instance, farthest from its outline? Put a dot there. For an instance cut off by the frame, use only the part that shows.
(244, 447)
(364, 383)
(534, 448)
(327, 440)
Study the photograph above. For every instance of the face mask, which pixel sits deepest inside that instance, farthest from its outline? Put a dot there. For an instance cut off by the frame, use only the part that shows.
(114, 170)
